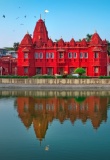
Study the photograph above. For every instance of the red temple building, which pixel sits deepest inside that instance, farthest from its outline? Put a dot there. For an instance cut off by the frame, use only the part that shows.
(38, 54)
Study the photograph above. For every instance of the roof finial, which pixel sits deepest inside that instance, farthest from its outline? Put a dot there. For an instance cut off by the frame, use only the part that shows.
(27, 32)
(95, 31)
(40, 16)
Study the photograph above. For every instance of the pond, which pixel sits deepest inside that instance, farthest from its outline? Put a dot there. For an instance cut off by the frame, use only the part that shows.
(54, 125)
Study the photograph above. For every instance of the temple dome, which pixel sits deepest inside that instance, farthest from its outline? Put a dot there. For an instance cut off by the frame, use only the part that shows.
(50, 43)
(83, 43)
(61, 43)
(95, 39)
(27, 40)
(72, 43)
(40, 32)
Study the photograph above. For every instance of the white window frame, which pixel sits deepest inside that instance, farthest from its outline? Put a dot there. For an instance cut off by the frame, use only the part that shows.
(96, 69)
(25, 70)
(70, 55)
(61, 55)
(25, 55)
(39, 69)
(81, 54)
(36, 55)
(51, 55)
(47, 55)
(96, 55)
(40, 55)
(74, 55)
(85, 54)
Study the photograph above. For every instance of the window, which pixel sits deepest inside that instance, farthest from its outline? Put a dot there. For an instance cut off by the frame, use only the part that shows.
(71, 70)
(81, 55)
(39, 70)
(74, 55)
(25, 70)
(36, 55)
(40, 55)
(49, 71)
(61, 55)
(96, 69)
(96, 55)
(51, 55)
(69, 55)
(85, 55)
(25, 55)
(47, 55)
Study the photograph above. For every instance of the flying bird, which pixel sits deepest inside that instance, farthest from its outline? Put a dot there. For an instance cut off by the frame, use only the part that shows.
(25, 16)
(46, 11)
(21, 24)
(3, 16)
(17, 17)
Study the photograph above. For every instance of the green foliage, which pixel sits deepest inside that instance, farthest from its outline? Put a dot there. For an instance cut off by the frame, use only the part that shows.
(88, 37)
(9, 48)
(73, 77)
(79, 99)
(12, 76)
(70, 76)
(85, 77)
(15, 46)
(104, 77)
(80, 71)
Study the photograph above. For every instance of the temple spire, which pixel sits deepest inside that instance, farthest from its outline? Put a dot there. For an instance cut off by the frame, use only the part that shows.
(40, 16)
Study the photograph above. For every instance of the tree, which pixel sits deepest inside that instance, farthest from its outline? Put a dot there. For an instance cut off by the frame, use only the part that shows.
(108, 47)
(15, 46)
(80, 71)
(88, 37)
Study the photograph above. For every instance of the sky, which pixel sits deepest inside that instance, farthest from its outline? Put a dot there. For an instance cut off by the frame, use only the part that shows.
(66, 18)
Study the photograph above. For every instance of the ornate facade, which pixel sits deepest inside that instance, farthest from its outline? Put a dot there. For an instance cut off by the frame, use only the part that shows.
(40, 55)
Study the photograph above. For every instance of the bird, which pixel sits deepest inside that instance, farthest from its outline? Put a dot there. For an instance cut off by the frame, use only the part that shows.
(17, 17)
(25, 16)
(21, 24)
(34, 16)
(3, 16)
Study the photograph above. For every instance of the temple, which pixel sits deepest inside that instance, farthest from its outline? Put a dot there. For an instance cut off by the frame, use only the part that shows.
(38, 54)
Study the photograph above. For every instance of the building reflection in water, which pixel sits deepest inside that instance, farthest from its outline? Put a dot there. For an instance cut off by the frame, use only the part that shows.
(43, 110)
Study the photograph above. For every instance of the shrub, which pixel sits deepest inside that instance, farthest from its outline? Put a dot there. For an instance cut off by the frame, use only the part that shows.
(80, 71)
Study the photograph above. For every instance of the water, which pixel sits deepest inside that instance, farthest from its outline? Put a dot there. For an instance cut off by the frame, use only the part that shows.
(40, 125)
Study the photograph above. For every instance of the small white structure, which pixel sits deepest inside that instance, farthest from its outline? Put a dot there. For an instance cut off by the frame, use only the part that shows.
(75, 75)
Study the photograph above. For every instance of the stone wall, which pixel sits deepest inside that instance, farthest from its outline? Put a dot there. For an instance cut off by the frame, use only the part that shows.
(32, 81)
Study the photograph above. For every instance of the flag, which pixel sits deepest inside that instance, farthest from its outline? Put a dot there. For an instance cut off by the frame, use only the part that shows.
(46, 11)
